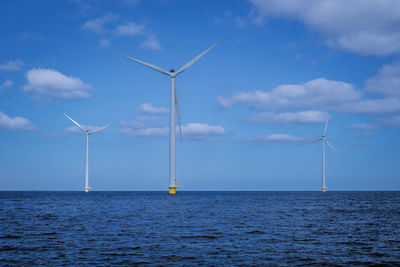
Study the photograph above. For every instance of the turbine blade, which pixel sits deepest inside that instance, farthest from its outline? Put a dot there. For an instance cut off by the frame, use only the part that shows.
(190, 63)
(77, 124)
(326, 126)
(154, 67)
(178, 114)
(98, 129)
(311, 141)
(331, 146)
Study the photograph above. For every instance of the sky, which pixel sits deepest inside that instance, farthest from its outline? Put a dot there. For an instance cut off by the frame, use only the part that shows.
(285, 67)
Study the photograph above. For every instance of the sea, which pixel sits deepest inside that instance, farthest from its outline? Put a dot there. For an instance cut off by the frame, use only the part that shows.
(199, 228)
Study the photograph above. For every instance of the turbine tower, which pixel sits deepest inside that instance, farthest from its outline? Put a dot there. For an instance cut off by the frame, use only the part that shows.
(173, 105)
(87, 132)
(323, 141)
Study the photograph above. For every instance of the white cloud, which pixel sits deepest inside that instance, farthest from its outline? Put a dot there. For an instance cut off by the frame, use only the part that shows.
(15, 124)
(12, 65)
(96, 25)
(392, 121)
(315, 93)
(189, 131)
(308, 116)
(104, 43)
(7, 84)
(151, 43)
(386, 82)
(371, 106)
(201, 131)
(146, 132)
(367, 27)
(275, 138)
(130, 29)
(150, 109)
(144, 122)
(51, 83)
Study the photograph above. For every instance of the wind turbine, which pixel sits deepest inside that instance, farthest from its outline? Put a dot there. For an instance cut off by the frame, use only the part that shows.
(87, 132)
(173, 105)
(323, 141)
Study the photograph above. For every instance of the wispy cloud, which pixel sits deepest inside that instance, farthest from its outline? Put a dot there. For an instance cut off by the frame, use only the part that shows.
(150, 109)
(193, 131)
(104, 43)
(130, 29)
(6, 84)
(361, 126)
(97, 25)
(157, 126)
(386, 82)
(15, 124)
(308, 116)
(151, 43)
(12, 65)
(53, 84)
(274, 138)
(393, 121)
(371, 106)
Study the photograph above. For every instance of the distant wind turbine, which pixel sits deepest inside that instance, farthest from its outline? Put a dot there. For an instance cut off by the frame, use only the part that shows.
(87, 132)
(173, 105)
(323, 141)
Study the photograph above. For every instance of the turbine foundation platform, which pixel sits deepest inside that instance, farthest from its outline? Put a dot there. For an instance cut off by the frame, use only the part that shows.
(172, 190)
(87, 189)
(323, 189)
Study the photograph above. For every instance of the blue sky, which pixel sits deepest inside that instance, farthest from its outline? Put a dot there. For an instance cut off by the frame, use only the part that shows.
(284, 68)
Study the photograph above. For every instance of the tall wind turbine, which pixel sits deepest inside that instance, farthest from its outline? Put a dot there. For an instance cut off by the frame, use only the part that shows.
(173, 105)
(323, 141)
(87, 132)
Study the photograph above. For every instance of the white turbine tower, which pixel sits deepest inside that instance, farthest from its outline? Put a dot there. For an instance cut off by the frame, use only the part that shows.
(323, 141)
(87, 132)
(173, 105)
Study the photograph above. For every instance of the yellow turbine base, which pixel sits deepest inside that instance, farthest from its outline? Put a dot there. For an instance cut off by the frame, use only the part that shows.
(86, 189)
(323, 189)
(172, 190)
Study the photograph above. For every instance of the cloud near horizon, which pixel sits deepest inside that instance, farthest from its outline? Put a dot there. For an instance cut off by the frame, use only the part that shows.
(53, 84)
(191, 131)
(157, 126)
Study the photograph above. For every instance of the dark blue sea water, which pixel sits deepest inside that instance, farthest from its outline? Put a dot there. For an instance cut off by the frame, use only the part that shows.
(199, 228)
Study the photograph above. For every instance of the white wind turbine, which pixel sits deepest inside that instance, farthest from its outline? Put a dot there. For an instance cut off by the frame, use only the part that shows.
(173, 105)
(87, 132)
(323, 141)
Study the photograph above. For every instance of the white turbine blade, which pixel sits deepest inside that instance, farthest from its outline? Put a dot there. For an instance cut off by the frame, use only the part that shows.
(154, 67)
(98, 129)
(190, 63)
(178, 114)
(311, 141)
(331, 146)
(77, 124)
(326, 126)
